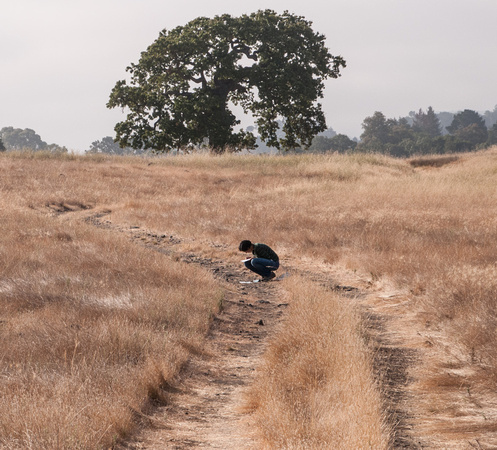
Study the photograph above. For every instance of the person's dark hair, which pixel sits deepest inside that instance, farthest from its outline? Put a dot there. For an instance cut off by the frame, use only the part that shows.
(244, 246)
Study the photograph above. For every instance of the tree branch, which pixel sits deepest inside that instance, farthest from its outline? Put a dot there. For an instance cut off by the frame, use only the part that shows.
(200, 79)
(238, 47)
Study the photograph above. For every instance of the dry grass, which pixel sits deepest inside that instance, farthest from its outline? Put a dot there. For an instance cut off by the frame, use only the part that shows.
(428, 226)
(315, 388)
(92, 328)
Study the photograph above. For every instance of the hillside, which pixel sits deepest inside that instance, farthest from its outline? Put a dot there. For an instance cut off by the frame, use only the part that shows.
(120, 279)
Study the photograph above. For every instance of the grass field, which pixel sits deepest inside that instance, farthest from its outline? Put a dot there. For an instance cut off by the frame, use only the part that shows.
(93, 326)
(316, 387)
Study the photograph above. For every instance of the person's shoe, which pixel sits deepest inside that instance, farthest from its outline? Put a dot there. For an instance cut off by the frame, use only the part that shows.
(269, 278)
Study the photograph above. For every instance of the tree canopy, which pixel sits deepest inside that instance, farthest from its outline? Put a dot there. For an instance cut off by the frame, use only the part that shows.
(469, 126)
(397, 137)
(109, 146)
(19, 139)
(427, 123)
(492, 135)
(180, 92)
(25, 139)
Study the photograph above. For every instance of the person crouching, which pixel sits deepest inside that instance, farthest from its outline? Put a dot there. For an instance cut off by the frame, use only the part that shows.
(264, 262)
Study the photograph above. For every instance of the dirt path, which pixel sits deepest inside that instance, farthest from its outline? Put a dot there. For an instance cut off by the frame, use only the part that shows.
(204, 411)
(205, 406)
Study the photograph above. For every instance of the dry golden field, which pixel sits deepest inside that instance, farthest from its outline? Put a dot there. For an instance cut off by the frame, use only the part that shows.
(94, 326)
(315, 389)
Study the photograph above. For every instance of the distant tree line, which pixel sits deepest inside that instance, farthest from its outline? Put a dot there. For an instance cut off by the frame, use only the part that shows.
(17, 139)
(109, 146)
(419, 133)
(422, 132)
(25, 139)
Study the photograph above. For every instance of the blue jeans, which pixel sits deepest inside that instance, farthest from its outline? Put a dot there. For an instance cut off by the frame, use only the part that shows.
(261, 266)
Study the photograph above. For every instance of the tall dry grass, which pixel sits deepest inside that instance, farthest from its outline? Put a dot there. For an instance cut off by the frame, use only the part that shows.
(315, 388)
(429, 226)
(92, 328)
(422, 227)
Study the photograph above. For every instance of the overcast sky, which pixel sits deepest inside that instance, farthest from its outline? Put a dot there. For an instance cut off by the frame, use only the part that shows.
(61, 58)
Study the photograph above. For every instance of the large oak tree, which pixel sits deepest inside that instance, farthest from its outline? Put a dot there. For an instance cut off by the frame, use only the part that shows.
(179, 93)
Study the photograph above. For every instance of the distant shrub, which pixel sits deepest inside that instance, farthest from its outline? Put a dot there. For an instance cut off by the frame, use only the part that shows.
(435, 161)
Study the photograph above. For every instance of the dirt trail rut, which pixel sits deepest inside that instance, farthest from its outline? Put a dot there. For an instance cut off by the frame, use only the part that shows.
(204, 410)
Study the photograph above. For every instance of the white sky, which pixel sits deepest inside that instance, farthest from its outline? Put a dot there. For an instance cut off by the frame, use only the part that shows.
(61, 58)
